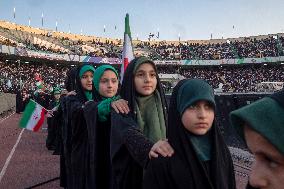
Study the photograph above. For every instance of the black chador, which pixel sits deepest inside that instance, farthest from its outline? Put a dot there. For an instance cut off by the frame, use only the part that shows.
(129, 145)
(199, 162)
(79, 139)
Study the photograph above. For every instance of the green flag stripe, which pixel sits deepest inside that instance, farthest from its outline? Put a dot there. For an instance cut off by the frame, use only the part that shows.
(27, 114)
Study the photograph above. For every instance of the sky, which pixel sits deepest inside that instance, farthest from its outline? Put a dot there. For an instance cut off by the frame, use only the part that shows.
(187, 19)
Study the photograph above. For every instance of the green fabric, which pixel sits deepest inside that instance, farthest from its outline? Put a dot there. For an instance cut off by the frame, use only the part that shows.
(190, 92)
(150, 116)
(85, 68)
(266, 117)
(104, 108)
(202, 145)
(89, 95)
(142, 60)
(56, 90)
(99, 72)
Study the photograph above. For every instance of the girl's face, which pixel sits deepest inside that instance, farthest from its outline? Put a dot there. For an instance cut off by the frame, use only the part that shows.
(108, 84)
(198, 118)
(268, 167)
(145, 79)
(87, 80)
(57, 96)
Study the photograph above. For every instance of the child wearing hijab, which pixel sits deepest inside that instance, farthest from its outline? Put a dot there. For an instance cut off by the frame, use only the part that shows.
(261, 125)
(201, 159)
(90, 154)
(80, 152)
(140, 134)
(51, 121)
(106, 86)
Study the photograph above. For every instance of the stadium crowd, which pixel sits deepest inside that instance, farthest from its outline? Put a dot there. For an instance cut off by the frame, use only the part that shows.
(230, 78)
(248, 47)
(14, 76)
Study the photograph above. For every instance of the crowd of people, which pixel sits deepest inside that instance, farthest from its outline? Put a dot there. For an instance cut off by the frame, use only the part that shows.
(231, 78)
(242, 79)
(18, 75)
(249, 47)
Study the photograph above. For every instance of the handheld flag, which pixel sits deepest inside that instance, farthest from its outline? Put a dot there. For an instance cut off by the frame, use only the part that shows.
(33, 116)
(127, 54)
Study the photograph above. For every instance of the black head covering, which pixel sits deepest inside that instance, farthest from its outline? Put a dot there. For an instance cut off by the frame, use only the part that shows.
(70, 81)
(279, 97)
(79, 88)
(221, 166)
(128, 92)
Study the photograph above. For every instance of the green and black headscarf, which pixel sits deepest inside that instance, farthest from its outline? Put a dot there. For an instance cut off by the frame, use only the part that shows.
(150, 112)
(193, 150)
(104, 106)
(99, 72)
(189, 93)
(265, 116)
(83, 94)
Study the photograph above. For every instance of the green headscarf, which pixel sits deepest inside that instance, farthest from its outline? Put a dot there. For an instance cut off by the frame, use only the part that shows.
(265, 116)
(150, 116)
(56, 90)
(190, 92)
(84, 69)
(99, 72)
(142, 60)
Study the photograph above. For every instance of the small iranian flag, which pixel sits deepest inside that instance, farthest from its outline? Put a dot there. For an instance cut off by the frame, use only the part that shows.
(127, 54)
(33, 116)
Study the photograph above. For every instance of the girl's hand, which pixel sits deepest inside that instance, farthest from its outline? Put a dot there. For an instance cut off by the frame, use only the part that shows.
(120, 106)
(162, 147)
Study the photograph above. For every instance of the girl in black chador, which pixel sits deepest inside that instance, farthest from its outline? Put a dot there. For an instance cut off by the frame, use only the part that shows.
(201, 159)
(51, 120)
(141, 134)
(75, 138)
(90, 123)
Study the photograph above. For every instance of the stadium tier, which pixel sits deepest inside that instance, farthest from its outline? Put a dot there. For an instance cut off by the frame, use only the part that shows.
(250, 64)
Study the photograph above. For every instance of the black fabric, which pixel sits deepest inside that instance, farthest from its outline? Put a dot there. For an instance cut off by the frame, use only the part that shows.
(66, 106)
(43, 99)
(52, 126)
(129, 151)
(279, 97)
(19, 102)
(76, 145)
(184, 169)
(70, 81)
(129, 147)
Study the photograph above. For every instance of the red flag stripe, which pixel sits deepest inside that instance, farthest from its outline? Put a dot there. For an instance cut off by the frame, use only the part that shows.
(40, 122)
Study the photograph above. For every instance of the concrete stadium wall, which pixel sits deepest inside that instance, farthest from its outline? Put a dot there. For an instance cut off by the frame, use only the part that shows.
(7, 102)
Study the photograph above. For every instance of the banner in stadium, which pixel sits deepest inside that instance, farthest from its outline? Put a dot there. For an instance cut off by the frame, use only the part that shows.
(8, 49)
(76, 58)
(97, 60)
